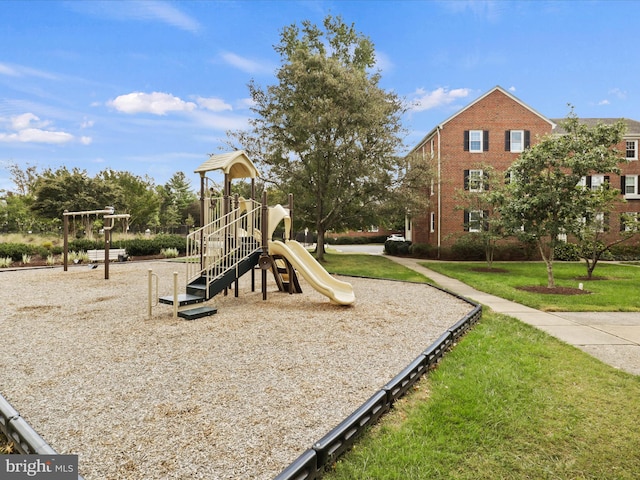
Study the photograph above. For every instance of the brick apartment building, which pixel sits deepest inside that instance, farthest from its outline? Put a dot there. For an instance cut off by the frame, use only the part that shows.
(493, 130)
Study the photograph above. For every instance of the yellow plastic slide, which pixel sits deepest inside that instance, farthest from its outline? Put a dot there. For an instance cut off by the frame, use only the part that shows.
(337, 291)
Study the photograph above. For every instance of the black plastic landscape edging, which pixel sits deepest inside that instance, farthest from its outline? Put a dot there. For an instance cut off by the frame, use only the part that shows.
(312, 463)
(24, 437)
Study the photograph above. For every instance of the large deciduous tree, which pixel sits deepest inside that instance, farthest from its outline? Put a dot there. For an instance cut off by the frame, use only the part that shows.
(327, 132)
(139, 197)
(547, 200)
(60, 190)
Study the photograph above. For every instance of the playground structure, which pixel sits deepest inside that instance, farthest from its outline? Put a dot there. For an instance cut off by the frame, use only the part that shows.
(108, 214)
(236, 236)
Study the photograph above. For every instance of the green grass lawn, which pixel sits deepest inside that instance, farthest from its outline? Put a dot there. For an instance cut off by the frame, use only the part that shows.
(615, 287)
(510, 401)
(375, 266)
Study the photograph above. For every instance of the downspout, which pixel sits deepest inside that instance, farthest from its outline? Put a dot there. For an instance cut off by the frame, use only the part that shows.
(439, 194)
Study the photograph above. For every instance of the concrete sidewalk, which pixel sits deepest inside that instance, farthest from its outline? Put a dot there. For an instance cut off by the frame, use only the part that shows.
(612, 337)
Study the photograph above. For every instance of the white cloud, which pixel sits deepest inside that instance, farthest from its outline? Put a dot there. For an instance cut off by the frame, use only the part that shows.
(213, 104)
(604, 102)
(8, 70)
(512, 88)
(144, 10)
(26, 120)
(157, 103)
(621, 94)
(246, 103)
(28, 128)
(439, 97)
(22, 71)
(36, 135)
(219, 122)
(245, 64)
(168, 14)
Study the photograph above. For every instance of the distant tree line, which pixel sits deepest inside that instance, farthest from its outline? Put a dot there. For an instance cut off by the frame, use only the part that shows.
(40, 197)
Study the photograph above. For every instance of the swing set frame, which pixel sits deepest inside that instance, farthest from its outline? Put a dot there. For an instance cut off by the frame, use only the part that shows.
(107, 214)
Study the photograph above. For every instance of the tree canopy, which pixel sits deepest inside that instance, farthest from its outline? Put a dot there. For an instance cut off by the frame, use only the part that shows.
(327, 132)
(546, 197)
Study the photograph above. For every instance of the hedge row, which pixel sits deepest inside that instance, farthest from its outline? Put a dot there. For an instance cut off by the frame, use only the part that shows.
(135, 247)
(474, 251)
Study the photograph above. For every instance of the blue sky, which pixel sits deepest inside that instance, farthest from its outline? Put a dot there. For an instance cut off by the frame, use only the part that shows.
(151, 87)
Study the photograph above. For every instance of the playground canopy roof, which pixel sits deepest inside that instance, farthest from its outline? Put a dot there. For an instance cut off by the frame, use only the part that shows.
(234, 164)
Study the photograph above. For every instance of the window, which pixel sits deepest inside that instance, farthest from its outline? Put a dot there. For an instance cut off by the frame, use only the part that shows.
(475, 180)
(593, 182)
(632, 150)
(475, 220)
(476, 141)
(629, 186)
(597, 181)
(433, 222)
(516, 140)
(629, 221)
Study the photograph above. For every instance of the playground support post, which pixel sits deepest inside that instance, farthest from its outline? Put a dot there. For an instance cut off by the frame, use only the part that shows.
(65, 249)
(289, 235)
(151, 302)
(265, 241)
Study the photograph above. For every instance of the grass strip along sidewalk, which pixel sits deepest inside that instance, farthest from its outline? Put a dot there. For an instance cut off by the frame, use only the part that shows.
(511, 402)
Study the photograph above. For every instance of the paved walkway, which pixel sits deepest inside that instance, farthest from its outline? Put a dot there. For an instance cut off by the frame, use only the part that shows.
(613, 337)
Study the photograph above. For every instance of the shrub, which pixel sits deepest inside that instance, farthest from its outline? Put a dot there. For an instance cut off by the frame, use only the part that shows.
(169, 252)
(422, 250)
(397, 248)
(139, 247)
(15, 251)
(5, 262)
(171, 241)
(85, 244)
(468, 247)
(625, 252)
(26, 258)
(567, 252)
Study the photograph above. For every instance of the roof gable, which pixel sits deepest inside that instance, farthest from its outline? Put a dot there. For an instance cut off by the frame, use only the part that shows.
(497, 88)
(507, 94)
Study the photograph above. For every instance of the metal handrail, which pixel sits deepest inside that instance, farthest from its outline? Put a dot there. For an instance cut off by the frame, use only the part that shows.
(223, 243)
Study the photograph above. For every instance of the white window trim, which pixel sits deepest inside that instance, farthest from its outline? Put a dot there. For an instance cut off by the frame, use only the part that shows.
(597, 181)
(636, 193)
(480, 215)
(480, 180)
(511, 142)
(481, 134)
(432, 223)
(635, 149)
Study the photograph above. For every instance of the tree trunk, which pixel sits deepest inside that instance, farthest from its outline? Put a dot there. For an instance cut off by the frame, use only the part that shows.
(320, 245)
(548, 260)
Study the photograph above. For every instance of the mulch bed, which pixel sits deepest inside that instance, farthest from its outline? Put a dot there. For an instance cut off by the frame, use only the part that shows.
(554, 291)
